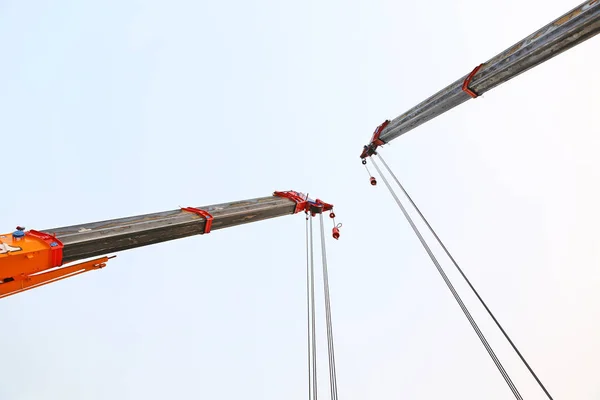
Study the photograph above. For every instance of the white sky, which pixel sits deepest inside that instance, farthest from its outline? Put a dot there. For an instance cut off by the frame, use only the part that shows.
(120, 108)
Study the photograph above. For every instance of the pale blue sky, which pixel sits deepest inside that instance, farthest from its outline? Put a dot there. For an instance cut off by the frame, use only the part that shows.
(120, 108)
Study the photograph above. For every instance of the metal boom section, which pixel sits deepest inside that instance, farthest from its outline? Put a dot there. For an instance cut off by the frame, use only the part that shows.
(34, 258)
(571, 29)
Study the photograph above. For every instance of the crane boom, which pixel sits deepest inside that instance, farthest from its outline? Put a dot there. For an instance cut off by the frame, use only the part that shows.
(569, 30)
(33, 258)
(98, 238)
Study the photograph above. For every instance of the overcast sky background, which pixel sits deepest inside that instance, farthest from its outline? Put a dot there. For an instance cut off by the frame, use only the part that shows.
(118, 108)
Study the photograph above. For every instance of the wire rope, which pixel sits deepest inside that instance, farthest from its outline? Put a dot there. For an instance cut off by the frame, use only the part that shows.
(465, 277)
(457, 297)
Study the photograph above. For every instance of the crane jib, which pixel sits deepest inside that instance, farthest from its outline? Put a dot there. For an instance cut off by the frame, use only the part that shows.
(567, 31)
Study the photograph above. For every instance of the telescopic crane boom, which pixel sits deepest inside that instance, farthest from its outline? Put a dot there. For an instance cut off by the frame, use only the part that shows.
(32, 258)
(565, 32)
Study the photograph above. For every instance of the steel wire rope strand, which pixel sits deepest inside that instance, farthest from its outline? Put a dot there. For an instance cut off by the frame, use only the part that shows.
(330, 347)
(312, 295)
(308, 315)
(465, 278)
(474, 325)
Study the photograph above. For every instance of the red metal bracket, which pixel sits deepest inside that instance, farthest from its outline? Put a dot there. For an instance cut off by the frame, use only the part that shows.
(322, 205)
(370, 149)
(202, 213)
(297, 197)
(467, 82)
(55, 245)
(303, 203)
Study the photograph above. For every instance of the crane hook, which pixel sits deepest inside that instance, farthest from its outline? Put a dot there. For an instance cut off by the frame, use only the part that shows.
(336, 231)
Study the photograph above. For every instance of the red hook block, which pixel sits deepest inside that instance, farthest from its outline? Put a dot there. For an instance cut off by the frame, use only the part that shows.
(336, 233)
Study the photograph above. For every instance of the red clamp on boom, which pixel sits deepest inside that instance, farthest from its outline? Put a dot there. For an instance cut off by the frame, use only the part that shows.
(202, 213)
(303, 203)
(467, 82)
(56, 246)
(370, 149)
(297, 197)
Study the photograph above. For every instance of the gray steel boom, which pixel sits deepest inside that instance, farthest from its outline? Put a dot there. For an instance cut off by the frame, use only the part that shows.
(576, 26)
(100, 238)
(30, 259)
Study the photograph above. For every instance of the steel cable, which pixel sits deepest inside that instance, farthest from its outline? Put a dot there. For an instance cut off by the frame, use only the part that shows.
(330, 347)
(465, 278)
(309, 314)
(311, 294)
(474, 325)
